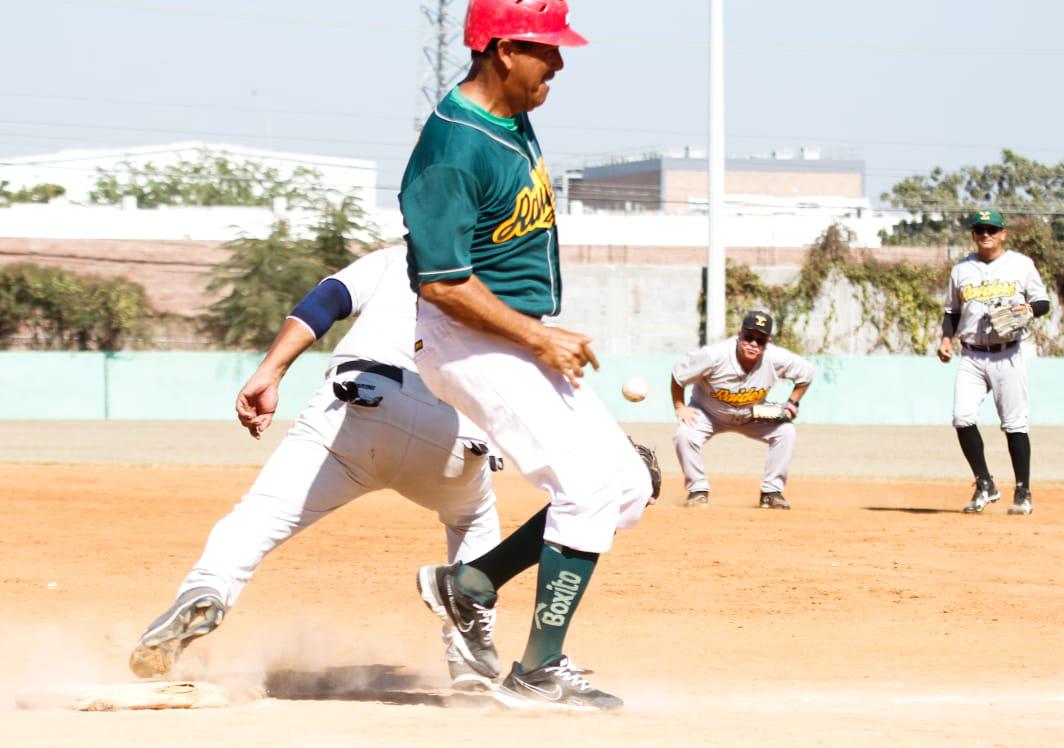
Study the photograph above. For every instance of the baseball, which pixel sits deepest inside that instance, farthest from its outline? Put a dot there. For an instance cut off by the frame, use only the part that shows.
(634, 389)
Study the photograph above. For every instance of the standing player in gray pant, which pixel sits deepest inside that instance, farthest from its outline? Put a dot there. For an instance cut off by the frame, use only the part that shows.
(730, 378)
(992, 275)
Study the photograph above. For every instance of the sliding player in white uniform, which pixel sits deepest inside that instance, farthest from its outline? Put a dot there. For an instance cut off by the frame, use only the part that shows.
(729, 378)
(372, 425)
(989, 277)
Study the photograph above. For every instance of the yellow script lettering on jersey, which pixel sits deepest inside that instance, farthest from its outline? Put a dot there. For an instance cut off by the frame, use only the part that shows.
(988, 290)
(742, 397)
(533, 208)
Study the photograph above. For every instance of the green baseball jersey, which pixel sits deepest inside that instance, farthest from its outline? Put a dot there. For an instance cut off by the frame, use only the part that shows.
(476, 200)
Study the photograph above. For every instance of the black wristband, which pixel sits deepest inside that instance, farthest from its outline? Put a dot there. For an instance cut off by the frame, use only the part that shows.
(792, 402)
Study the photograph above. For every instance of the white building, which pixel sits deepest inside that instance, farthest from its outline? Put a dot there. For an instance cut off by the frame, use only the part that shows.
(78, 169)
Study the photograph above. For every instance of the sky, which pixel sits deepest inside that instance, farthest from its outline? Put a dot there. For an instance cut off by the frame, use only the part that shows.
(905, 86)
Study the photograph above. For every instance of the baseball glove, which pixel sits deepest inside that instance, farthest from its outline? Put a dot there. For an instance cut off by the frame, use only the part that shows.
(1006, 321)
(650, 459)
(770, 412)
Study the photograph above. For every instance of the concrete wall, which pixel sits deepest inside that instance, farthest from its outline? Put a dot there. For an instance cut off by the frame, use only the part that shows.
(901, 390)
(632, 309)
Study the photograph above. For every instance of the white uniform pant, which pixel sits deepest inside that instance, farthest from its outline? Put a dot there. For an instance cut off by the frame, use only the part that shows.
(336, 452)
(561, 438)
(780, 436)
(1004, 373)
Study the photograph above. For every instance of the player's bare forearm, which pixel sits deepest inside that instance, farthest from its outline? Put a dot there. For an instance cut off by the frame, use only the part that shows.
(294, 338)
(799, 392)
(473, 304)
(257, 401)
(684, 413)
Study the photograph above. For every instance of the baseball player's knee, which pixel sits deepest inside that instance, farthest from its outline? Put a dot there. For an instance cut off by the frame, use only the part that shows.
(685, 436)
(964, 420)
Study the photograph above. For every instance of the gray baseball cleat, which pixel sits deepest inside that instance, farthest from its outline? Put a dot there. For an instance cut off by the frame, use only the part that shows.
(1021, 501)
(196, 612)
(556, 686)
(773, 500)
(474, 622)
(465, 678)
(697, 500)
(985, 493)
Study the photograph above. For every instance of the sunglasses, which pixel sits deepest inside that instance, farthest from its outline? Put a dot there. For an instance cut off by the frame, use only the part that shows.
(988, 230)
(750, 337)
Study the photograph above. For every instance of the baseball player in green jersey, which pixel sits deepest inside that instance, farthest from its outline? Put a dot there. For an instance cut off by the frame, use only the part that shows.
(483, 256)
(992, 293)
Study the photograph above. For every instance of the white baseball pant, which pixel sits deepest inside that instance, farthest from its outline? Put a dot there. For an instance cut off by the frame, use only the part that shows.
(336, 452)
(1004, 373)
(780, 436)
(561, 438)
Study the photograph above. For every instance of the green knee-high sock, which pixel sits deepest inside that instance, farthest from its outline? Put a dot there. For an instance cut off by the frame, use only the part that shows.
(563, 578)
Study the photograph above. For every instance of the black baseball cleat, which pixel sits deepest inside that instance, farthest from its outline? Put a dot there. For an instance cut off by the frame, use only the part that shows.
(773, 500)
(1021, 501)
(985, 493)
(474, 623)
(650, 459)
(555, 686)
(196, 612)
(697, 500)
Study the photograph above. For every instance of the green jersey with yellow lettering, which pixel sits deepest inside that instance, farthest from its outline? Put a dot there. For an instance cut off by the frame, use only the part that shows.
(476, 200)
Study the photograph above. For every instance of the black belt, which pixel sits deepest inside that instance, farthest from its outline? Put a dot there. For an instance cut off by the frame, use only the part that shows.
(372, 367)
(348, 391)
(997, 348)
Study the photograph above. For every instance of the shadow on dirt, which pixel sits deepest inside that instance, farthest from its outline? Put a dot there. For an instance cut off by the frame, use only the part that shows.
(910, 510)
(386, 684)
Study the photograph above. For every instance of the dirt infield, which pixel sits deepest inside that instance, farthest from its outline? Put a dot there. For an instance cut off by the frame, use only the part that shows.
(873, 613)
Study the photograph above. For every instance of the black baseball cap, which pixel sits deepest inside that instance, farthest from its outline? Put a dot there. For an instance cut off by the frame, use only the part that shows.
(758, 321)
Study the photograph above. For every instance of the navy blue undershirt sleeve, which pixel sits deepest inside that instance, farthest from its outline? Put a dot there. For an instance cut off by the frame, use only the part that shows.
(328, 302)
(1040, 307)
(949, 324)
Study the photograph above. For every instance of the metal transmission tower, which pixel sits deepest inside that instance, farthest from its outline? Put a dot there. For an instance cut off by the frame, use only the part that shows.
(444, 59)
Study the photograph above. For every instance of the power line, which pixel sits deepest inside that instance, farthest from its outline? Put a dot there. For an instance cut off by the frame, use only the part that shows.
(211, 133)
(545, 124)
(204, 107)
(174, 10)
(669, 42)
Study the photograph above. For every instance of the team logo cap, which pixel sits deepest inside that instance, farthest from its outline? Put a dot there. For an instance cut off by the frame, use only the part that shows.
(758, 321)
(988, 217)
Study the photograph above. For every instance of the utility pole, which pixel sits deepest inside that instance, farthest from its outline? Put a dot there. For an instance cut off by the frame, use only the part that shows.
(715, 281)
(442, 62)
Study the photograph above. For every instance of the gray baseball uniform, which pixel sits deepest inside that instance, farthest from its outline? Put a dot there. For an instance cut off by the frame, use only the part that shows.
(723, 397)
(989, 362)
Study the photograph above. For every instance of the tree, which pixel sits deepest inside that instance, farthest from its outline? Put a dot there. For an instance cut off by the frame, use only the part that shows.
(38, 193)
(940, 201)
(63, 310)
(208, 180)
(264, 278)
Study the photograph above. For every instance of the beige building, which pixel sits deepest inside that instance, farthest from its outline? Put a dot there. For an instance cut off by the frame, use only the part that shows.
(676, 186)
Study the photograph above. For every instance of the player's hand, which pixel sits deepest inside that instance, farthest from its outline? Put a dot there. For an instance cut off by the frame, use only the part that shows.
(945, 350)
(256, 404)
(686, 414)
(566, 351)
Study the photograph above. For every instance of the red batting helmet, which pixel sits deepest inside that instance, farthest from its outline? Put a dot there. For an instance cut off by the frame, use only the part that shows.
(543, 21)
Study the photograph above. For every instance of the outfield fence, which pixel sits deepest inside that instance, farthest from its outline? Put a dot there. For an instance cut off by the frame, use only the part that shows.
(161, 386)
